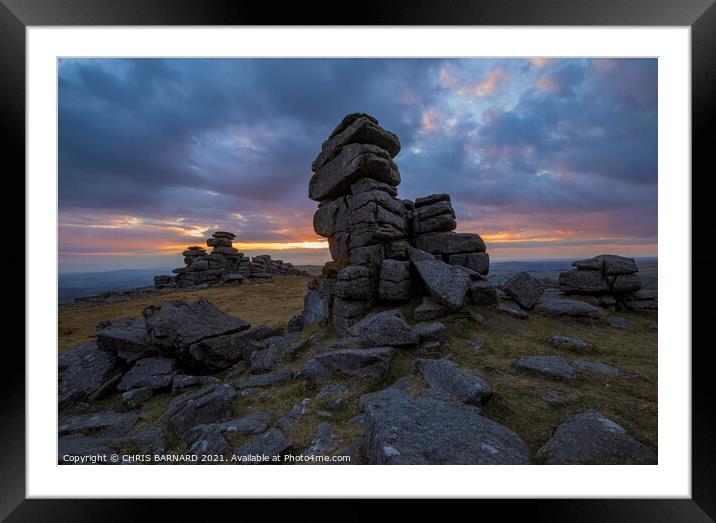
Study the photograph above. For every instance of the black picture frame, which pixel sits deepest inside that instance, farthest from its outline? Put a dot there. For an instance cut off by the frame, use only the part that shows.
(700, 15)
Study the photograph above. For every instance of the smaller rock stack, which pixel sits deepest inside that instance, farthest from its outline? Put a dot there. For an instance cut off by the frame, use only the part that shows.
(223, 264)
(210, 268)
(609, 279)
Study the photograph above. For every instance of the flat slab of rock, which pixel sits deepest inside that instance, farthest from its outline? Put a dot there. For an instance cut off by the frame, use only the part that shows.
(433, 331)
(275, 351)
(592, 438)
(151, 373)
(86, 373)
(110, 422)
(269, 444)
(599, 367)
(209, 404)
(565, 342)
(373, 363)
(209, 438)
(126, 338)
(524, 289)
(175, 325)
(400, 429)
(265, 380)
(183, 382)
(551, 366)
(564, 307)
(450, 242)
(384, 328)
(222, 352)
(447, 376)
(609, 264)
(446, 284)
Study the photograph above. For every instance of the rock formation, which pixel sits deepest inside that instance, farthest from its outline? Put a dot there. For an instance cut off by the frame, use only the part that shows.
(223, 264)
(383, 249)
(611, 280)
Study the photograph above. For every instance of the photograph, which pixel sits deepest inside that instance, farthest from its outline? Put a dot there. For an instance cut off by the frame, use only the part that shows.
(357, 261)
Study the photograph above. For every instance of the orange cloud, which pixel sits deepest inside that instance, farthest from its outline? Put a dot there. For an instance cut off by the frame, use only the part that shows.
(492, 81)
(540, 61)
(547, 83)
(446, 77)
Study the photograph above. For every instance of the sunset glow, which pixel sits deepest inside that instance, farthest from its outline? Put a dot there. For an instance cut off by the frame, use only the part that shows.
(544, 157)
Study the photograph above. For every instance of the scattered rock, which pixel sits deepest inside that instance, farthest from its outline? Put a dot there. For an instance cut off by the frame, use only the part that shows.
(315, 372)
(431, 332)
(404, 430)
(135, 397)
(270, 444)
(153, 373)
(109, 422)
(86, 373)
(125, 338)
(384, 328)
(524, 289)
(619, 323)
(447, 376)
(477, 345)
(564, 307)
(324, 442)
(599, 368)
(175, 325)
(292, 416)
(222, 352)
(209, 439)
(209, 404)
(77, 445)
(592, 438)
(512, 309)
(429, 309)
(373, 363)
(182, 382)
(565, 342)
(551, 366)
(265, 380)
(275, 351)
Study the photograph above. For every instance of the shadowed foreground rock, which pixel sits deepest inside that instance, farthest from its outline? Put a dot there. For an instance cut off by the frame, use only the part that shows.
(447, 376)
(592, 438)
(405, 430)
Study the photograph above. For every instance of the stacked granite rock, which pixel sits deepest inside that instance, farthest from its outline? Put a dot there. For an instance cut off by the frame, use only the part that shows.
(210, 268)
(223, 264)
(377, 241)
(610, 280)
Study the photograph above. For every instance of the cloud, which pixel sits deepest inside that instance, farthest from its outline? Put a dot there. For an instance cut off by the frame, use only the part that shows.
(152, 148)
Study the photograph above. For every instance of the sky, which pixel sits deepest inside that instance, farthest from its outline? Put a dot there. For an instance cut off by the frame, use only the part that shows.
(544, 158)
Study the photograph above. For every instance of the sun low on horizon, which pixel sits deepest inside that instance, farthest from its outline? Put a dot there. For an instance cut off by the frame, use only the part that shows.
(543, 157)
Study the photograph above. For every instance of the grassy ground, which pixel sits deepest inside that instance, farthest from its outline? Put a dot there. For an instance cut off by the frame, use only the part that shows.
(518, 399)
(272, 302)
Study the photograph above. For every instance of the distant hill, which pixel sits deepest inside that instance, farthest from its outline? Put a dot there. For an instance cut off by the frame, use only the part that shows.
(76, 284)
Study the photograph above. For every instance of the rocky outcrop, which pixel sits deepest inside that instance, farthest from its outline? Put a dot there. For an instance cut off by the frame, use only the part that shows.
(612, 279)
(224, 264)
(591, 438)
(400, 429)
(384, 249)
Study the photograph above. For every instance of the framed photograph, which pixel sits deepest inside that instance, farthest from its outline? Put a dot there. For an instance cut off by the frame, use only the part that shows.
(425, 247)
